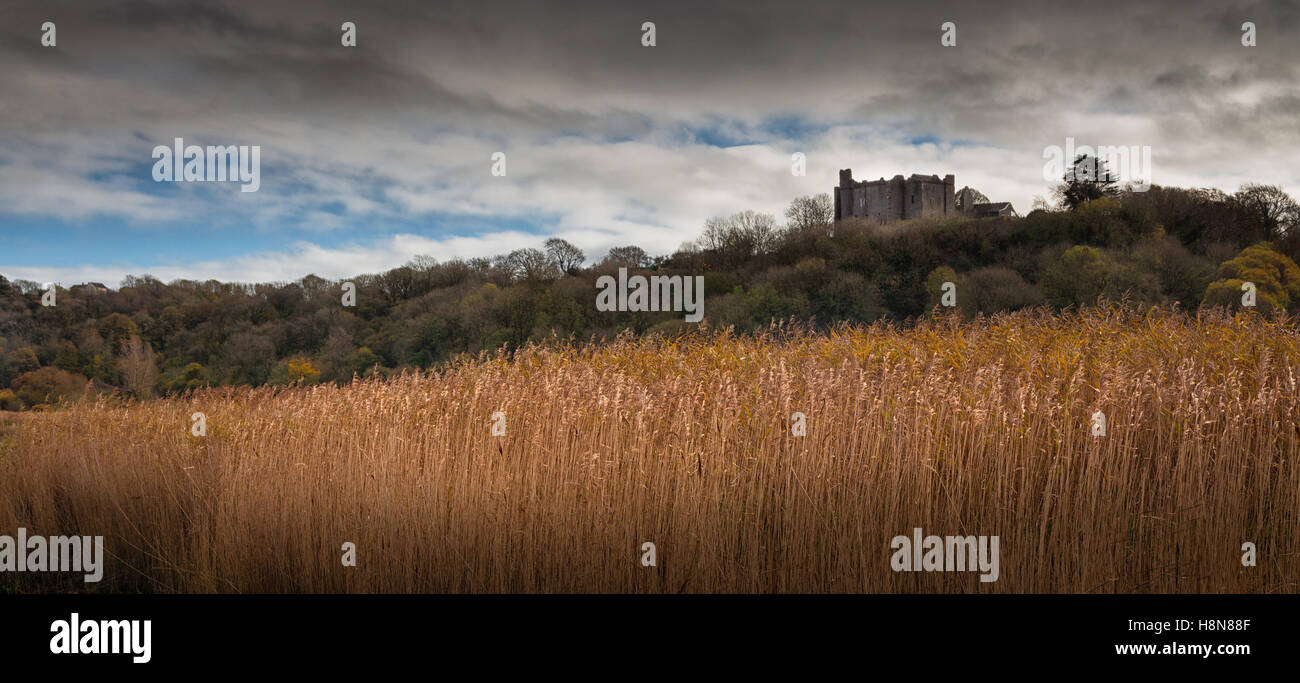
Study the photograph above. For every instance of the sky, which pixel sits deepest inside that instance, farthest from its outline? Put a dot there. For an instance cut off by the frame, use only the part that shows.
(373, 154)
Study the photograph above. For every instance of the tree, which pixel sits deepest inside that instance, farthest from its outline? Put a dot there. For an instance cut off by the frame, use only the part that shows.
(529, 264)
(301, 370)
(995, 288)
(17, 362)
(1183, 276)
(10, 401)
(1276, 279)
(630, 256)
(564, 256)
(116, 329)
(193, 376)
(314, 287)
(139, 373)
(1083, 273)
(334, 355)
(249, 355)
(1106, 222)
(1271, 206)
(397, 284)
(422, 262)
(363, 361)
(66, 357)
(1078, 277)
(295, 369)
(811, 213)
(740, 235)
(49, 386)
(1088, 178)
(934, 284)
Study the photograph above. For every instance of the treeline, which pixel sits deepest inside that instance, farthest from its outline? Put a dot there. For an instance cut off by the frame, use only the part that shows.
(148, 338)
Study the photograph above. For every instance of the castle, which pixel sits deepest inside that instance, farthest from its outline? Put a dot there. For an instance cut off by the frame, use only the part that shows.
(920, 196)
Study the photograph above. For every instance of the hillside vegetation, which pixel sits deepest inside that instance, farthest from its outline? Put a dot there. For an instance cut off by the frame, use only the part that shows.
(147, 338)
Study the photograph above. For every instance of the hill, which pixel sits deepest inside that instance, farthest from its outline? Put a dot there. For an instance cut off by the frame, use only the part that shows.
(1161, 247)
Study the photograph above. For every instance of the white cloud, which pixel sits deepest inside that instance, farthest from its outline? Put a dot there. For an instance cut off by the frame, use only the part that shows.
(301, 259)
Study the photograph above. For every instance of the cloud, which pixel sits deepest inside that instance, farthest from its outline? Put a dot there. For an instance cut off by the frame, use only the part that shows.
(44, 192)
(609, 142)
(279, 266)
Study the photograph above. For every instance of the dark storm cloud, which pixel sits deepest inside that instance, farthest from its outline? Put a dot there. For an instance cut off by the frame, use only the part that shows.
(556, 61)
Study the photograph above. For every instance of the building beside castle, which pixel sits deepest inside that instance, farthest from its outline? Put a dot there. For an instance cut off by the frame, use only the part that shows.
(920, 196)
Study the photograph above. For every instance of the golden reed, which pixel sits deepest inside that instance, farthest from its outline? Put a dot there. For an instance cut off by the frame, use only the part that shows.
(959, 428)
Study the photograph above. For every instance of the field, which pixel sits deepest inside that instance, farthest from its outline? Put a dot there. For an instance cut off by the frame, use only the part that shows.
(980, 427)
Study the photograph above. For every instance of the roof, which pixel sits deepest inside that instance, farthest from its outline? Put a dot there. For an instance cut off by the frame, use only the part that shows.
(993, 209)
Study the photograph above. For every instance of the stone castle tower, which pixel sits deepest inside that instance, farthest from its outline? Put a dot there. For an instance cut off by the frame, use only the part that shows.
(920, 196)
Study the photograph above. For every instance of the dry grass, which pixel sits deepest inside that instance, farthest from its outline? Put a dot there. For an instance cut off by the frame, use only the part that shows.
(958, 428)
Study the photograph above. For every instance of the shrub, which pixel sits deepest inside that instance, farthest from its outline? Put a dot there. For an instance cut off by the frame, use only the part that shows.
(1276, 279)
(48, 385)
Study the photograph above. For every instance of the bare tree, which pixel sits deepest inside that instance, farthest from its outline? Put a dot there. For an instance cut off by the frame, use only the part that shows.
(139, 373)
(1272, 206)
(741, 234)
(811, 213)
(397, 284)
(529, 264)
(314, 286)
(422, 262)
(630, 256)
(564, 255)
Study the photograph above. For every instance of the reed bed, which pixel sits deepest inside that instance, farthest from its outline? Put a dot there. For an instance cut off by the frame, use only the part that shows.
(956, 427)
